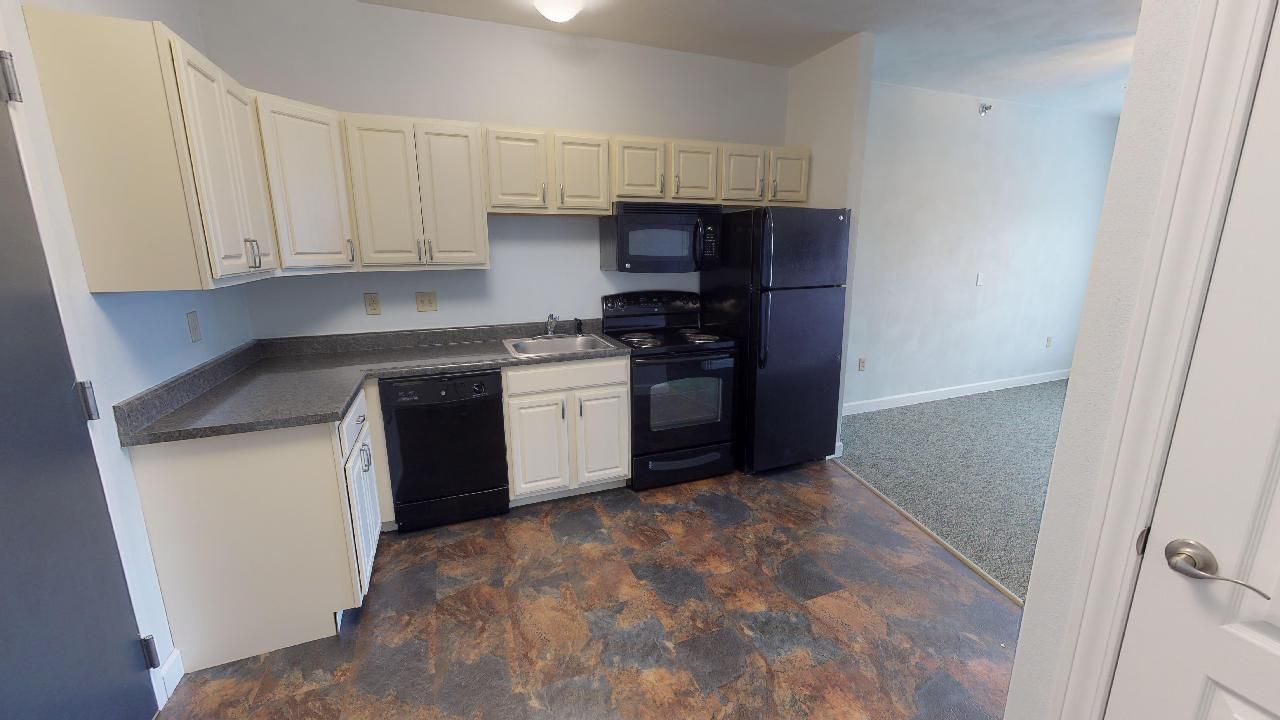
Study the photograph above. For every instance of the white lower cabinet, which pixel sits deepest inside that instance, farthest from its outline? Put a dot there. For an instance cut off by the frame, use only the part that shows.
(568, 426)
(259, 538)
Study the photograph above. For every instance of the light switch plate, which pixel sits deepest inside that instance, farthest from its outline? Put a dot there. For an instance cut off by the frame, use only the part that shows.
(979, 280)
(193, 326)
(862, 364)
(372, 305)
(426, 301)
(1048, 341)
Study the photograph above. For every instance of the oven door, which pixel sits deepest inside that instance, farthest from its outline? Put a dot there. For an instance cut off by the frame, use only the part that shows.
(659, 243)
(681, 401)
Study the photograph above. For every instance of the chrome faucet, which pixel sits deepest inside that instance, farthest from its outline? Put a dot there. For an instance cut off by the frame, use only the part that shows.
(551, 323)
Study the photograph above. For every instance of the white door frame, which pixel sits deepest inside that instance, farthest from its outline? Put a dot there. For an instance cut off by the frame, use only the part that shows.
(1070, 640)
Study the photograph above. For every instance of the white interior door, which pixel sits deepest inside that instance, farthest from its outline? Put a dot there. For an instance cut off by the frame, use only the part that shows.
(307, 175)
(452, 175)
(1200, 648)
(213, 160)
(384, 184)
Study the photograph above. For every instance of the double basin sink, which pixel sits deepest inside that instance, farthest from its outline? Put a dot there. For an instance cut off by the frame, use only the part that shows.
(552, 345)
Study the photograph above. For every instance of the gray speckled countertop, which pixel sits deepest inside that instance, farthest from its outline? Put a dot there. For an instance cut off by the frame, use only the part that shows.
(271, 390)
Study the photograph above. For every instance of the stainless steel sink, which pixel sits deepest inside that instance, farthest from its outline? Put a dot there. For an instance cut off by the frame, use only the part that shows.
(546, 345)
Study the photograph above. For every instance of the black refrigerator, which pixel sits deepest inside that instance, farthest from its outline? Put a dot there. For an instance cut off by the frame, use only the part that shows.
(779, 290)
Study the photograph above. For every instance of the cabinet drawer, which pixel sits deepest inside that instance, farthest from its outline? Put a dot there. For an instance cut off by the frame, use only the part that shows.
(352, 423)
(564, 376)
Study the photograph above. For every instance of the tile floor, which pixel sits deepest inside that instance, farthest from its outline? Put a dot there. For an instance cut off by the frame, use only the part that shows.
(793, 595)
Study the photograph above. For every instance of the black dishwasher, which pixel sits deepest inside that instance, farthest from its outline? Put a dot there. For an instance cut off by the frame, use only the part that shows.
(446, 448)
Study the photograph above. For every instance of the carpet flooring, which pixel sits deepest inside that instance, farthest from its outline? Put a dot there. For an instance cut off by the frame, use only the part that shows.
(972, 469)
(798, 594)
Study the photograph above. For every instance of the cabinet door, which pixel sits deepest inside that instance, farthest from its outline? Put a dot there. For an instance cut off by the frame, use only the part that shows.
(694, 168)
(603, 434)
(517, 169)
(384, 189)
(242, 122)
(213, 160)
(308, 181)
(789, 174)
(639, 168)
(742, 172)
(538, 440)
(582, 172)
(451, 171)
(362, 496)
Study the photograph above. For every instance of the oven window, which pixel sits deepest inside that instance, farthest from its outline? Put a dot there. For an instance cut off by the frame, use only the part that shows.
(660, 242)
(684, 402)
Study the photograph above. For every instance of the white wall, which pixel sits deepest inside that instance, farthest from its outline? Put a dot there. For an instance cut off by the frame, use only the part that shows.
(1129, 244)
(359, 57)
(123, 343)
(540, 265)
(946, 195)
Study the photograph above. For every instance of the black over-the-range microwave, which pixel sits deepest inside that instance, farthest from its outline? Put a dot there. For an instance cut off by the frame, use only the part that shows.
(660, 238)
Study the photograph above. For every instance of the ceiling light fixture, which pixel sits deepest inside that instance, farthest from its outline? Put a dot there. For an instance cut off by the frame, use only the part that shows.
(558, 11)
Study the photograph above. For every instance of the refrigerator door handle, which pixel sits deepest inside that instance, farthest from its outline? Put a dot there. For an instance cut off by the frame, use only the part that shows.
(766, 302)
(767, 260)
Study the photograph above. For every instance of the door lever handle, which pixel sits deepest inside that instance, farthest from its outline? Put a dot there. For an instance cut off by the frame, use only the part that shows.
(1190, 558)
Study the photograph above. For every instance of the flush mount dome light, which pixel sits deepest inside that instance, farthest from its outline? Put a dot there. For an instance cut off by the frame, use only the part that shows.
(558, 11)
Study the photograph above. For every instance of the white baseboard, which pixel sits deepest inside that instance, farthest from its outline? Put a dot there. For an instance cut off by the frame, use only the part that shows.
(170, 673)
(893, 401)
(569, 492)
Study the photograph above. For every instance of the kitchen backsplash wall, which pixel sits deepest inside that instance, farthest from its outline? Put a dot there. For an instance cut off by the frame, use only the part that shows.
(540, 265)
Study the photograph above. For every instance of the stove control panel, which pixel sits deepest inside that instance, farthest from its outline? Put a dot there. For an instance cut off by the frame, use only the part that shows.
(650, 303)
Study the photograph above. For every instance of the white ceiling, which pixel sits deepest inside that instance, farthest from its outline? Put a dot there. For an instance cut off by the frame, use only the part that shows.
(1070, 53)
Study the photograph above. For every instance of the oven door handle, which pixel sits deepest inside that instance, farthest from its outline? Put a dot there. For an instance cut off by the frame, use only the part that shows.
(683, 358)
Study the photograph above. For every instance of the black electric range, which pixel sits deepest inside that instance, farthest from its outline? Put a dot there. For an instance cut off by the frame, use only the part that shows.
(682, 387)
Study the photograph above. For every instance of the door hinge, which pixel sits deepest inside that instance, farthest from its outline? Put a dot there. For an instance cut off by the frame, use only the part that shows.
(1142, 540)
(88, 400)
(150, 651)
(9, 90)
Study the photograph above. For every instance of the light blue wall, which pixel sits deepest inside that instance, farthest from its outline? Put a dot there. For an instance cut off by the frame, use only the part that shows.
(1015, 195)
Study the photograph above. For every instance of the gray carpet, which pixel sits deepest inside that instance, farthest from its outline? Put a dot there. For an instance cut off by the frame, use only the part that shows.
(973, 469)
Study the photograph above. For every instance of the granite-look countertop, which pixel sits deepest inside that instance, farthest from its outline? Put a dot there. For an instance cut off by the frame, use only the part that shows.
(297, 385)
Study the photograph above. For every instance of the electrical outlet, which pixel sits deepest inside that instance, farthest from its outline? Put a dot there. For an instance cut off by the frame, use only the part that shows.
(1048, 342)
(372, 305)
(193, 326)
(426, 301)
(862, 364)
(978, 281)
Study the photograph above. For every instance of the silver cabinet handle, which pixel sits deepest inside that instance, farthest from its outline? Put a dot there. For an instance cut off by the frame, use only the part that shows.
(419, 243)
(662, 183)
(562, 193)
(544, 193)
(562, 409)
(360, 419)
(257, 253)
(351, 250)
(677, 183)
(760, 192)
(579, 407)
(1190, 558)
(248, 251)
(367, 452)
(431, 253)
(774, 194)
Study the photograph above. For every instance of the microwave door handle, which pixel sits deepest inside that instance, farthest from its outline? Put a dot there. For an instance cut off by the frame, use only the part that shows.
(766, 302)
(699, 233)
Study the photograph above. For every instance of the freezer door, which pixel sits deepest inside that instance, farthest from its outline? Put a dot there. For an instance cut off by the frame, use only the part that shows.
(803, 247)
(795, 386)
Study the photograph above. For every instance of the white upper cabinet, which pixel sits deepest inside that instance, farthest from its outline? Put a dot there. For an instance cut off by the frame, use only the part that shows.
(214, 161)
(639, 167)
(742, 172)
(694, 168)
(307, 176)
(582, 172)
(789, 174)
(603, 434)
(451, 172)
(384, 189)
(259, 227)
(517, 168)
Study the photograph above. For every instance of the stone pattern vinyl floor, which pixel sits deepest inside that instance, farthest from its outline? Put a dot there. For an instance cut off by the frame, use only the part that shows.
(798, 594)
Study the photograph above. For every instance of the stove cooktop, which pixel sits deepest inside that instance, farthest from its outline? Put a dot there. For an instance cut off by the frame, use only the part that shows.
(670, 340)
